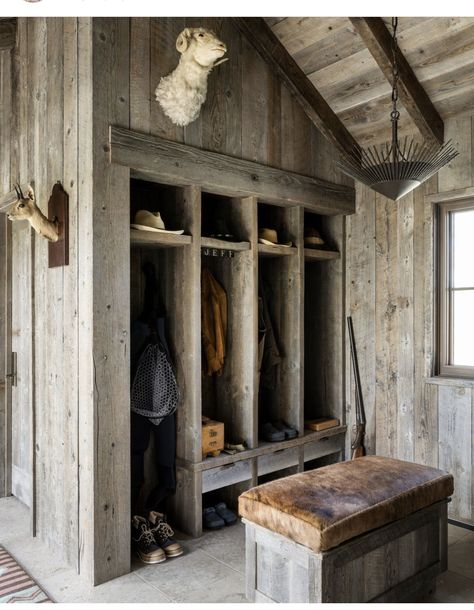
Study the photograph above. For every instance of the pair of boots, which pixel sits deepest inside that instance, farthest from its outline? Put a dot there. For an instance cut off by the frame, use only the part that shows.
(152, 538)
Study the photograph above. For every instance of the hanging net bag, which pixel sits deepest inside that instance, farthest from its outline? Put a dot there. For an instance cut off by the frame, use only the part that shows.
(155, 392)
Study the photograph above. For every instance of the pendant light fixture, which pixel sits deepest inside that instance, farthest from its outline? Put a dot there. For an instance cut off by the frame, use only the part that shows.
(394, 168)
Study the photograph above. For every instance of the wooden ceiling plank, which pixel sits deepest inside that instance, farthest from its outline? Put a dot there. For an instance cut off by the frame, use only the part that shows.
(296, 33)
(443, 46)
(7, 33)
(281, 62)
(415, 99)
(342, 42)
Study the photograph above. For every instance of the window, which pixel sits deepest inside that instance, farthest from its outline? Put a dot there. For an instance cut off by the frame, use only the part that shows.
(456, 294)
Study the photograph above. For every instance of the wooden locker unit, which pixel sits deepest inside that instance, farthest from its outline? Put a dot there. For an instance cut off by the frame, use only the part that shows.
(233, 396)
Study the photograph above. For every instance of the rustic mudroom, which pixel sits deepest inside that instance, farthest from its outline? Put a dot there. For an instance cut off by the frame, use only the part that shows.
(236, 341)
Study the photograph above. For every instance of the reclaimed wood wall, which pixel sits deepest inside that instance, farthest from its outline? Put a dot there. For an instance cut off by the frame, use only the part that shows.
(5, 348)
(39, 144)
(390, 292)
(72, 78)
(248, 114)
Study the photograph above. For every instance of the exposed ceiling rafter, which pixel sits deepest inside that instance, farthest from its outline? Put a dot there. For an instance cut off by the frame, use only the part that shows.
(414, 98)
(315, 106)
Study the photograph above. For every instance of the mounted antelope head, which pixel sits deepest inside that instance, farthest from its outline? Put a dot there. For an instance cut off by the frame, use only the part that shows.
(26, 209)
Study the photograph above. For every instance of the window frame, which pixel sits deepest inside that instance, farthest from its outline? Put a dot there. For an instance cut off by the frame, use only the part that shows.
(445, 290)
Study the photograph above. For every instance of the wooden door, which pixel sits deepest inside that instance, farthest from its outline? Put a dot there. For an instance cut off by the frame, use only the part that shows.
(21, 362)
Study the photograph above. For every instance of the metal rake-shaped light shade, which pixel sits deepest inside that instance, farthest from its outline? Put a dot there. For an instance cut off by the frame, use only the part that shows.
(393, 170)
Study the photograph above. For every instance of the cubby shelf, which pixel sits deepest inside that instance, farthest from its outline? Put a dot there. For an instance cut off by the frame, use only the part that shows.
(296, 299)
(320, 255)
(158, 240)
(264, 448)
(277, 250)
(221, 244)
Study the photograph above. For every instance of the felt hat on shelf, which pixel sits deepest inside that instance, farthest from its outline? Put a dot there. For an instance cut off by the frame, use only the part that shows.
(312, 238)
(151, 221)
(269, 237)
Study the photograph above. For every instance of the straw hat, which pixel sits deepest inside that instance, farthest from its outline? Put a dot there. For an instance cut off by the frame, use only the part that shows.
(269, 237)
(151, 221)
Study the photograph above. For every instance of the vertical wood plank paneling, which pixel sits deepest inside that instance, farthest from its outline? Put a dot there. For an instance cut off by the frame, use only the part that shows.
(405, 356)
(426, 442)
(5, 131)
(85, 194)
(140, 89)
(385, 325)
(111, 302)
(70, 287)
(255, 120)
(458, 173)
(164, 58)
(361, 278)
(455, 445)
(44, 291)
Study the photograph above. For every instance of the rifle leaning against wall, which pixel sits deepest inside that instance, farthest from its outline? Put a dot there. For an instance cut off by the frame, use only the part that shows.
(358, 449)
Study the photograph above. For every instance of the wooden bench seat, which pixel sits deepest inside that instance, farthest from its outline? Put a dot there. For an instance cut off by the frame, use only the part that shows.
(371, 507)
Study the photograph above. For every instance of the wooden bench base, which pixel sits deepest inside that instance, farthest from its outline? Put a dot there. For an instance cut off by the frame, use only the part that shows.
(395, 563)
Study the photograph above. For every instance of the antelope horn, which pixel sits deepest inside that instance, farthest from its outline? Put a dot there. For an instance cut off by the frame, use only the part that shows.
(16, 191)
(21, 194)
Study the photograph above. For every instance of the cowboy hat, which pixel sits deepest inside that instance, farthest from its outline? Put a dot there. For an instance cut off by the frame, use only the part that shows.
(151, 221)
(269, 237)
(312, 238)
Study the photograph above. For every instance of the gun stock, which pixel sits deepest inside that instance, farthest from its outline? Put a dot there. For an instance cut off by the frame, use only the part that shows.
(358, 449)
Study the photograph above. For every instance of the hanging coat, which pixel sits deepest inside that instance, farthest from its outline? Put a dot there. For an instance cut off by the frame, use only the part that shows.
(214, 323)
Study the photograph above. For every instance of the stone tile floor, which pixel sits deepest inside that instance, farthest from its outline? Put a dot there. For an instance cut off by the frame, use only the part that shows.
(211, 570)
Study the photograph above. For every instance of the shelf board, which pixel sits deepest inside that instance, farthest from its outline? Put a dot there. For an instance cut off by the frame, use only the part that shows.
(264, 448)
(312, 254)
(269, 251)
(159, 240)
(221, 244)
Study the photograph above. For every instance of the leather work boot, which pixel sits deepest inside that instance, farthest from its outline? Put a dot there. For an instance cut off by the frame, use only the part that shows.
(144, 542)
(162, 533)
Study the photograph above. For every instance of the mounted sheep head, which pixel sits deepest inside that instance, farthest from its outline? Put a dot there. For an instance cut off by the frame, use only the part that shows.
(26, 209)
(182, 93)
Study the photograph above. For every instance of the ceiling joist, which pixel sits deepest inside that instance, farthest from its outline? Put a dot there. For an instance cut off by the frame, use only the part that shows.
(7, 33)
(280, 61)
(414, 98)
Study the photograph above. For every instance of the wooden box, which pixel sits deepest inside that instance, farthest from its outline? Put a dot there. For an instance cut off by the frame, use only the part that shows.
(212, 437)
(398, 562)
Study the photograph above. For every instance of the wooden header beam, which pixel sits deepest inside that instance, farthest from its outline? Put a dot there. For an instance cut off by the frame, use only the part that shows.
(414, 98)
(152, 158)
(315, 106)
(7, 33)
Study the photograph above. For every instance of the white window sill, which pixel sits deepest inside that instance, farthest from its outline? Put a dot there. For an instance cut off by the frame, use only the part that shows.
(460, 382)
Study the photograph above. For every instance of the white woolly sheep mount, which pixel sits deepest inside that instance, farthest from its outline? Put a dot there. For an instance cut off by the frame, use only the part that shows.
(182, 93)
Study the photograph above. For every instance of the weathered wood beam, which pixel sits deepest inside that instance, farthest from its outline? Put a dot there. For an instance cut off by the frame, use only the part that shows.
(7, 33)
(152, 158)
(315, 106)
(414, 98)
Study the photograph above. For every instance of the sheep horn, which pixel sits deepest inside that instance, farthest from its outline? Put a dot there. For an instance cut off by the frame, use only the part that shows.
(221, 61)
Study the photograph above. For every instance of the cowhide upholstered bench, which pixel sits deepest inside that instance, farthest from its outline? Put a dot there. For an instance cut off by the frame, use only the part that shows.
(372, 529)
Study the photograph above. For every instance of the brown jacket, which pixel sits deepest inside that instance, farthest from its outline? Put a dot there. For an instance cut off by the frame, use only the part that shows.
(214, 323)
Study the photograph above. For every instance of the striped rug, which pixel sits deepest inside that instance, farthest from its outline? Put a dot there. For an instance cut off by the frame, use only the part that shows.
(16, 585)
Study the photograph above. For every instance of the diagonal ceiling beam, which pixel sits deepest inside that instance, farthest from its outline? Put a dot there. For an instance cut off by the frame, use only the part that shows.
(315, 106)
(7, 33)
(414, 98)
